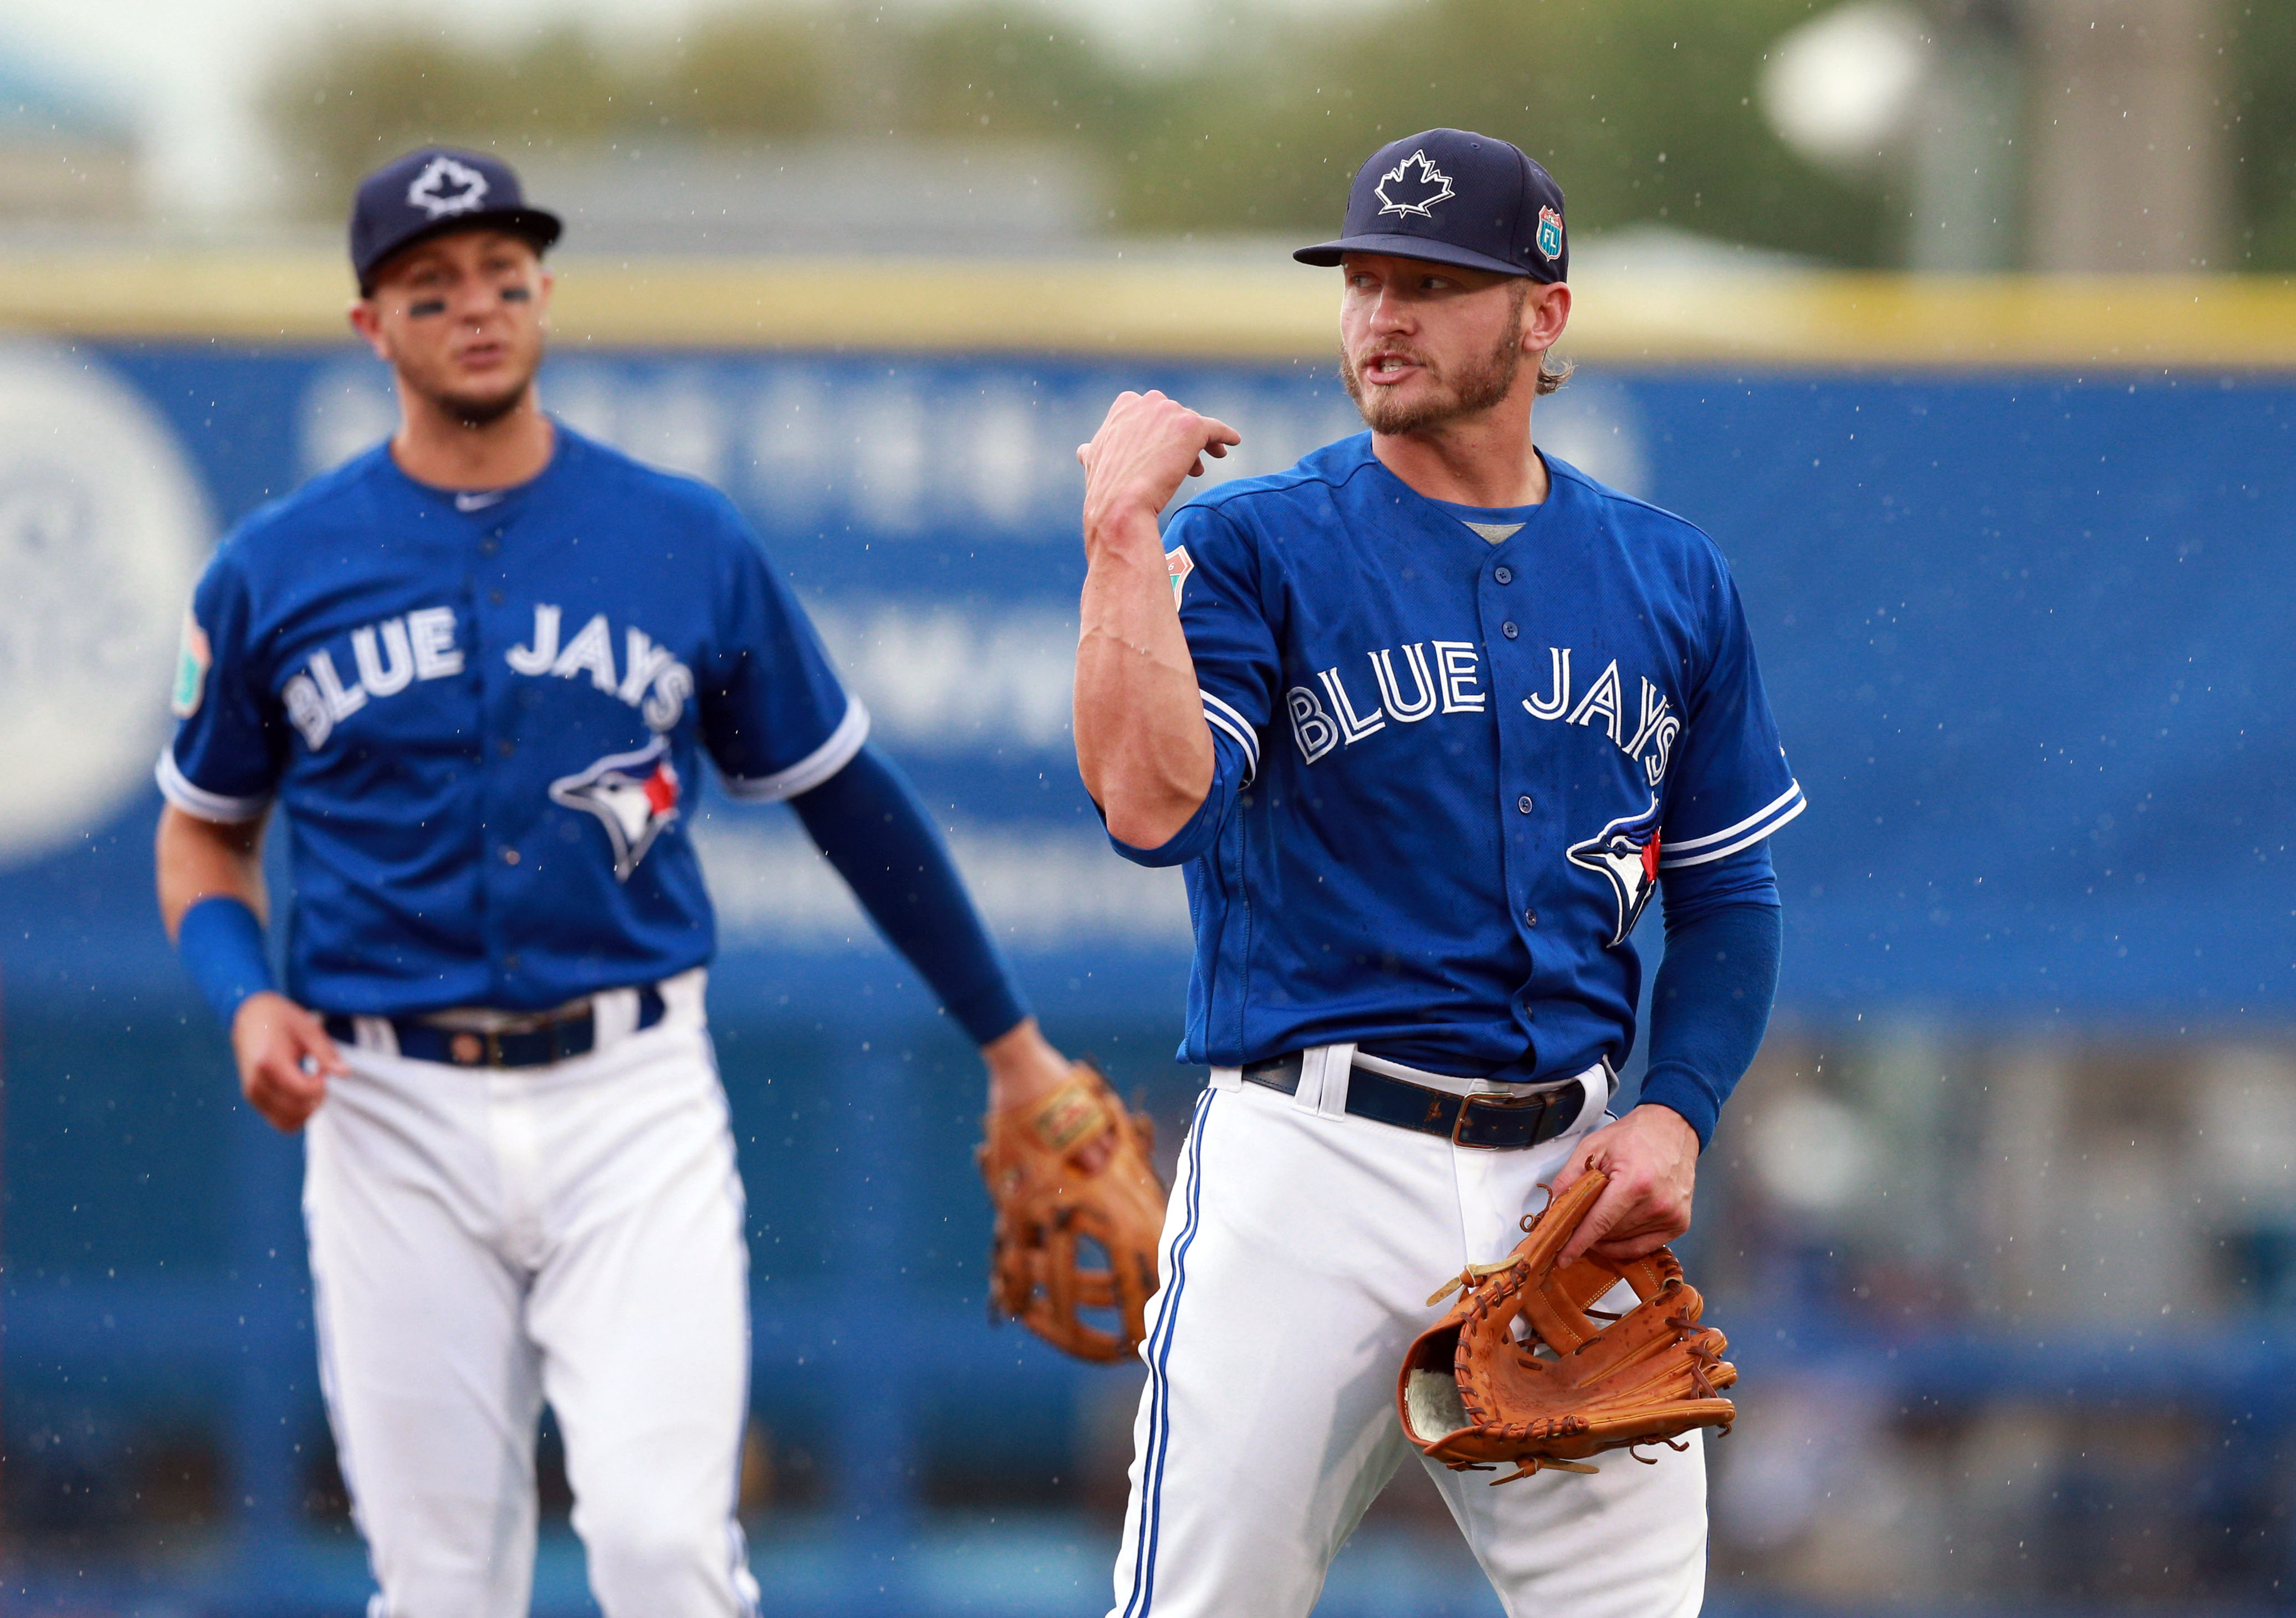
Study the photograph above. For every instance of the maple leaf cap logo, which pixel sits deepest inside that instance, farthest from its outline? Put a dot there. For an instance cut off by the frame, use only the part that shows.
(445, 186)
(1430, 177)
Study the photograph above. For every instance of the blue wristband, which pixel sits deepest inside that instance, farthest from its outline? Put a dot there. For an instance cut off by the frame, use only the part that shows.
(222, 946)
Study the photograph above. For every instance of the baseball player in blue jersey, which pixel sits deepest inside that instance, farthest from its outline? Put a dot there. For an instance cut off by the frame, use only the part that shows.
(1427, 718)
(476, 670)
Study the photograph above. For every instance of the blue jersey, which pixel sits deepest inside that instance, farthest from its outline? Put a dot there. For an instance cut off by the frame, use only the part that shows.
(1455, 750)
(482, 715)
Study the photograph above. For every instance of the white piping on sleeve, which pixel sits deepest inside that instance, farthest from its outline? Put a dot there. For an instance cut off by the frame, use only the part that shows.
(1754, 830)
(192, 799)
(810, 771)
(1221, 716)
(1792, 792)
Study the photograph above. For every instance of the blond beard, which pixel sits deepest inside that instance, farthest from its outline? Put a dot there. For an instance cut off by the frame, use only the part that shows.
(1480, 386)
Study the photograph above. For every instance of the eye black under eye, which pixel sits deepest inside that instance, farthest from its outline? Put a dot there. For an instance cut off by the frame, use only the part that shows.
(517, 294)
(422, 307)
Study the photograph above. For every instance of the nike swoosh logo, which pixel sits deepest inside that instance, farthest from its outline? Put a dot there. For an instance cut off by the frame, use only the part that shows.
(478, 502)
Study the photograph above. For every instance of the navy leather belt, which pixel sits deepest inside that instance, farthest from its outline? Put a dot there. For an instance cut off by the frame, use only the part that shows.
(545, 1041)
(1493, 1123)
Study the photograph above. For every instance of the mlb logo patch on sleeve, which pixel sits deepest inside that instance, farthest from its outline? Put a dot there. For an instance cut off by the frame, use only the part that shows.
(192, 662)
(1179, 564)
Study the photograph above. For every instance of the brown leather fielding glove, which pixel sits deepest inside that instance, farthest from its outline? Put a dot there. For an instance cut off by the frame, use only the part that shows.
(1473, 1394)
(1046, 1204)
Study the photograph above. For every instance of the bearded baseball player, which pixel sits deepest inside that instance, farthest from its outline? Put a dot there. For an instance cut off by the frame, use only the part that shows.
(1426, 719)
(476, 669)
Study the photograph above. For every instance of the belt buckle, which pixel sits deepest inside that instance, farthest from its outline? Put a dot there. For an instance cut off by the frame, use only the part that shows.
(1502, 1102)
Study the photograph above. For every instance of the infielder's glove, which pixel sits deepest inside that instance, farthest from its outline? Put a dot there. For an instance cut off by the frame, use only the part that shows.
(1475, 1392)
(1045, 1205)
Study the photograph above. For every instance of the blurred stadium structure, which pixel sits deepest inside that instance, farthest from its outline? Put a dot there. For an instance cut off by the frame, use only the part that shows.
(2004, 1222)
(1951, 135)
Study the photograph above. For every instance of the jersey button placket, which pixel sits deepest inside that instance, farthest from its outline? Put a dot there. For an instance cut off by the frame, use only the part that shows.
(1524, 747)
(500, 783)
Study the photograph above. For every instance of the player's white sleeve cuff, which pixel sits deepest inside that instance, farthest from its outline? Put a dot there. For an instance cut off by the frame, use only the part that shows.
(1238, 730)
(185, 794)
(810, 771)
(1730, 839)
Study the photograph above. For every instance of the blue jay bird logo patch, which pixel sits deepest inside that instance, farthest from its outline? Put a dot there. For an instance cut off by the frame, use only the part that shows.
(1400, 191)
(633, 794)
(1626, 853)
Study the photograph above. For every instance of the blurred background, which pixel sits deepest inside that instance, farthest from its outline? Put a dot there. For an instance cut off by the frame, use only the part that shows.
(1966, 328)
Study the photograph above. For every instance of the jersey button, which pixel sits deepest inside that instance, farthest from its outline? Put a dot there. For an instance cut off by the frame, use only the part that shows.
(1521, 804)
(509, 856)
(1504, 575)
(496, 598)
(1531, 918)
(488, 547)
(1508, 629)
(505, 748)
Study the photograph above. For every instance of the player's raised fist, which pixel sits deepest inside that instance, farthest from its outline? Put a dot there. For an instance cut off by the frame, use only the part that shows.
(1145, 446)
(285, 1059)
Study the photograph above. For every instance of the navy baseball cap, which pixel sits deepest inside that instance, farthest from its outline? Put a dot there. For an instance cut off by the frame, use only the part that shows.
(429, 193)
(1455, 198)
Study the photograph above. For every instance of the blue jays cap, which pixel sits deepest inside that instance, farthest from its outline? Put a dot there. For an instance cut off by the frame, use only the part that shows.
(429, 193)
(1455, 198)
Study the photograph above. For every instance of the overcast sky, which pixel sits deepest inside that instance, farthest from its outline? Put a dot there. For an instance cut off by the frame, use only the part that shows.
(188, 71)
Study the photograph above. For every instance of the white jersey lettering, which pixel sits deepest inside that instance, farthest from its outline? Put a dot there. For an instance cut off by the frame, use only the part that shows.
(537, 657)
(1382, 665)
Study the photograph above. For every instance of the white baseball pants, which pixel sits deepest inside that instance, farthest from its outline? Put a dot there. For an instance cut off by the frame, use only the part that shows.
(482, 1239)
(1299, 1249)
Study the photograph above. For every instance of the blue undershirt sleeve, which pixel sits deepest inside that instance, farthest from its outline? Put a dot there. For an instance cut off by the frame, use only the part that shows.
(868, 821)
(1710, 1003)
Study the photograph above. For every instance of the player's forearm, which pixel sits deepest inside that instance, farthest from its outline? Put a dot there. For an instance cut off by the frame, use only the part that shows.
(199, 860)
(1142, 747)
